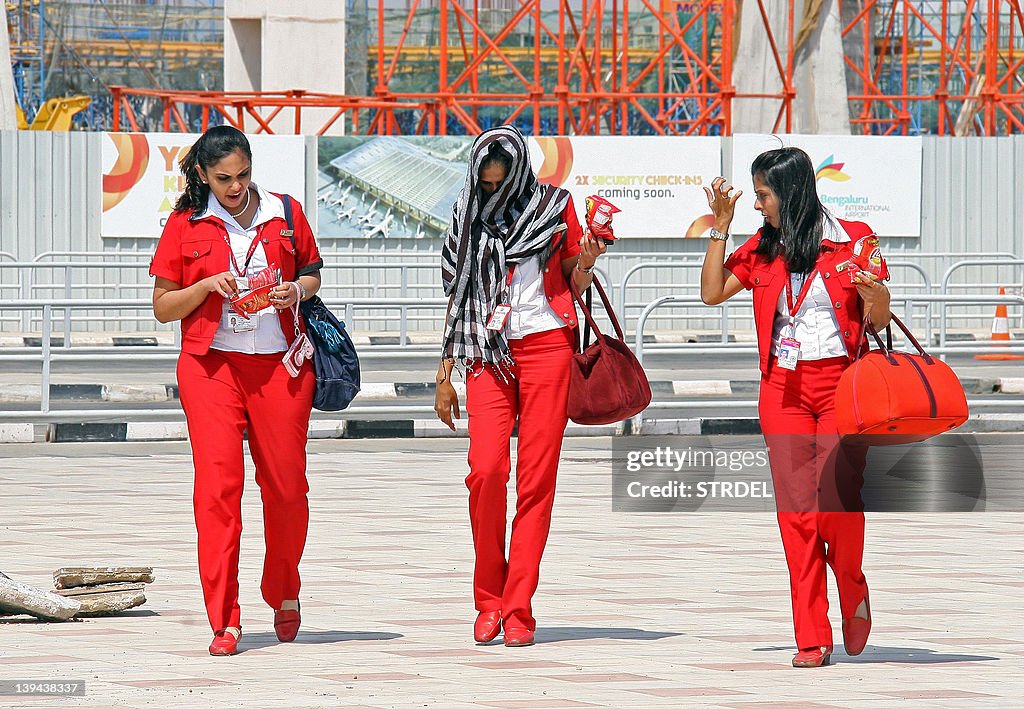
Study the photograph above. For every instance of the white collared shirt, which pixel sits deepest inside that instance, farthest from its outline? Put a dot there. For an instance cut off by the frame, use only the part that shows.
(531, 312)
(268, 337)
(816, 328)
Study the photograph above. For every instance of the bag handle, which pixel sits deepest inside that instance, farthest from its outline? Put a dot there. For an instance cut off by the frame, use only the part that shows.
(586, 310)
(886, 349)
(589, 296)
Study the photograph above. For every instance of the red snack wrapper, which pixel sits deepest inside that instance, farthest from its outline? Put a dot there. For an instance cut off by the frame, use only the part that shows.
(257, 297)
(599, 217)
(867, 256)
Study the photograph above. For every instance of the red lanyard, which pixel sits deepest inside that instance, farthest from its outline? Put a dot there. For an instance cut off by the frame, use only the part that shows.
(508, 278)
(248, 255)
(794, 308)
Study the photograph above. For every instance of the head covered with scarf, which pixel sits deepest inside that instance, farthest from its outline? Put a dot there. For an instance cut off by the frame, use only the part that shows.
(520, 220)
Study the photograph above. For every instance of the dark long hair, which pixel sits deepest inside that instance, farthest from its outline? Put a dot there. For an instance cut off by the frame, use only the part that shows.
(497, 154)
(790, 175)
(213, 146)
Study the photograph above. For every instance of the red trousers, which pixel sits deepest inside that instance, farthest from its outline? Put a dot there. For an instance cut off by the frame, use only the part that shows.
(226, 394)
(538, 397)
(817, 486)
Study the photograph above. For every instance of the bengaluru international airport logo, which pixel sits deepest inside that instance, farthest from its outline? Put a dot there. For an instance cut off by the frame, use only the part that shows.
(829, 169)
(130, 166)
(557, 164)
(849, 205)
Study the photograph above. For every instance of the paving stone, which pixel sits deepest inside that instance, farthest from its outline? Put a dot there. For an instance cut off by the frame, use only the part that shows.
(683, 609)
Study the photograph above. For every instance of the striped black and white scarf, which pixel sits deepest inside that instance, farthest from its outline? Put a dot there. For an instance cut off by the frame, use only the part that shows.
(518, 221)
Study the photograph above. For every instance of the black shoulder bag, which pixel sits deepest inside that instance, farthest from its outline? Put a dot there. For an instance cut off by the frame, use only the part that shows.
(335, 360)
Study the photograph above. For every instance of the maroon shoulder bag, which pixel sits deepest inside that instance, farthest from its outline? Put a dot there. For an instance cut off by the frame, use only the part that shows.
(606, 382)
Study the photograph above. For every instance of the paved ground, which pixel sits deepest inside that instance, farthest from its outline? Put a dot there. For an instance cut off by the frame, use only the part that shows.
(673, 610)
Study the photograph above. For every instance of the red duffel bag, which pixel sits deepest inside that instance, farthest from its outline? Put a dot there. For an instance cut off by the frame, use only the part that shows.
(891, 398)
(606, 382)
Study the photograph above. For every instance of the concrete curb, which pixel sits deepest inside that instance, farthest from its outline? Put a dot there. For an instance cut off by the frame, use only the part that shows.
(385, 391)
(116, 432)
(86, 340)
(1011, 385)
(17, 433)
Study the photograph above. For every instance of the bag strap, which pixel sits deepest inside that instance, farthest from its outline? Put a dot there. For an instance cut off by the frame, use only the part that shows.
(886, 349)
(289, 218)
(586, 310)
(286, 200)
(589, 296)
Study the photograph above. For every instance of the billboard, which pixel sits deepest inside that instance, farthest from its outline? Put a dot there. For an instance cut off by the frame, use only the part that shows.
(404, 187)
(873, 179)
(141, 180)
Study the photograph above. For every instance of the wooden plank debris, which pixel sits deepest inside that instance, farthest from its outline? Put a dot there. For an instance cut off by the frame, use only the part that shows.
(106, 599)
(102, 588)
(73, 577)
(18, 598)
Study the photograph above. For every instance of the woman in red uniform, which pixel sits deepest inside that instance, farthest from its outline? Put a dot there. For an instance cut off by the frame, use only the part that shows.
(810, 300)
(508, 253)
(225, 237)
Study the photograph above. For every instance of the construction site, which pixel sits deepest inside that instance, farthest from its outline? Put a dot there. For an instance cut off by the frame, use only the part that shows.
(74, 48)
(352, 318)
(589, 67)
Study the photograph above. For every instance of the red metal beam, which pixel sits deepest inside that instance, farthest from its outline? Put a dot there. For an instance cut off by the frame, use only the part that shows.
(591, 73)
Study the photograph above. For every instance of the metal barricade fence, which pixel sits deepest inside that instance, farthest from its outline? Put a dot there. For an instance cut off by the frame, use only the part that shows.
(113, 281)
(46, 355)
(625, 305)
(944, 301)
(1015, 284)
(63, 285)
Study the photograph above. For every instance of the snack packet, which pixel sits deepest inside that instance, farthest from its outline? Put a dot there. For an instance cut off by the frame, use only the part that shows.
(867, 256)
(256, 296)
(599, 217)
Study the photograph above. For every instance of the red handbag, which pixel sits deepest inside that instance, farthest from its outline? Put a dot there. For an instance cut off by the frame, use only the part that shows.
(606, 381)
(891, 398)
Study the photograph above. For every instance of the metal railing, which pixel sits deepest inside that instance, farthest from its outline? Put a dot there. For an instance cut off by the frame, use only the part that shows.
(624, 304)
(141, 257)
(1017, 264)
(944, 301)
(46, 355)
(28, 287)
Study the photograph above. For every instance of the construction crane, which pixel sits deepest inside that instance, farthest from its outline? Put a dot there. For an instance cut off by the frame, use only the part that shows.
(55, 114)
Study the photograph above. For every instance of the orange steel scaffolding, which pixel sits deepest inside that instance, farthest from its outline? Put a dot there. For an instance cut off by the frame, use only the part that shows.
(624, 67)
(974, 48)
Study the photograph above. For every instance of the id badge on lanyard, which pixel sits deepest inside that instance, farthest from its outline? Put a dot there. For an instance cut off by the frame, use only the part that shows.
(501, 312)
(789, 346)
(248, 254)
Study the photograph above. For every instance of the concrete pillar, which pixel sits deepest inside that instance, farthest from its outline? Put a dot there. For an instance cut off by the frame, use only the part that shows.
(277, 45)
(819, 73)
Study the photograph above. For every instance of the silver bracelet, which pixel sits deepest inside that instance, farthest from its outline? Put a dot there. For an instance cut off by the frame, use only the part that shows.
(587, 271)
(718, 235)
(300, 289)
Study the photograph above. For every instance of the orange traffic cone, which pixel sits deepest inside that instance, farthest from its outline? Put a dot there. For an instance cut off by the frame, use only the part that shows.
(1000, 333)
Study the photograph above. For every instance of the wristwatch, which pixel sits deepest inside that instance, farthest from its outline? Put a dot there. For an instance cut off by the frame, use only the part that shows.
(717, 235)
(585, 270)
